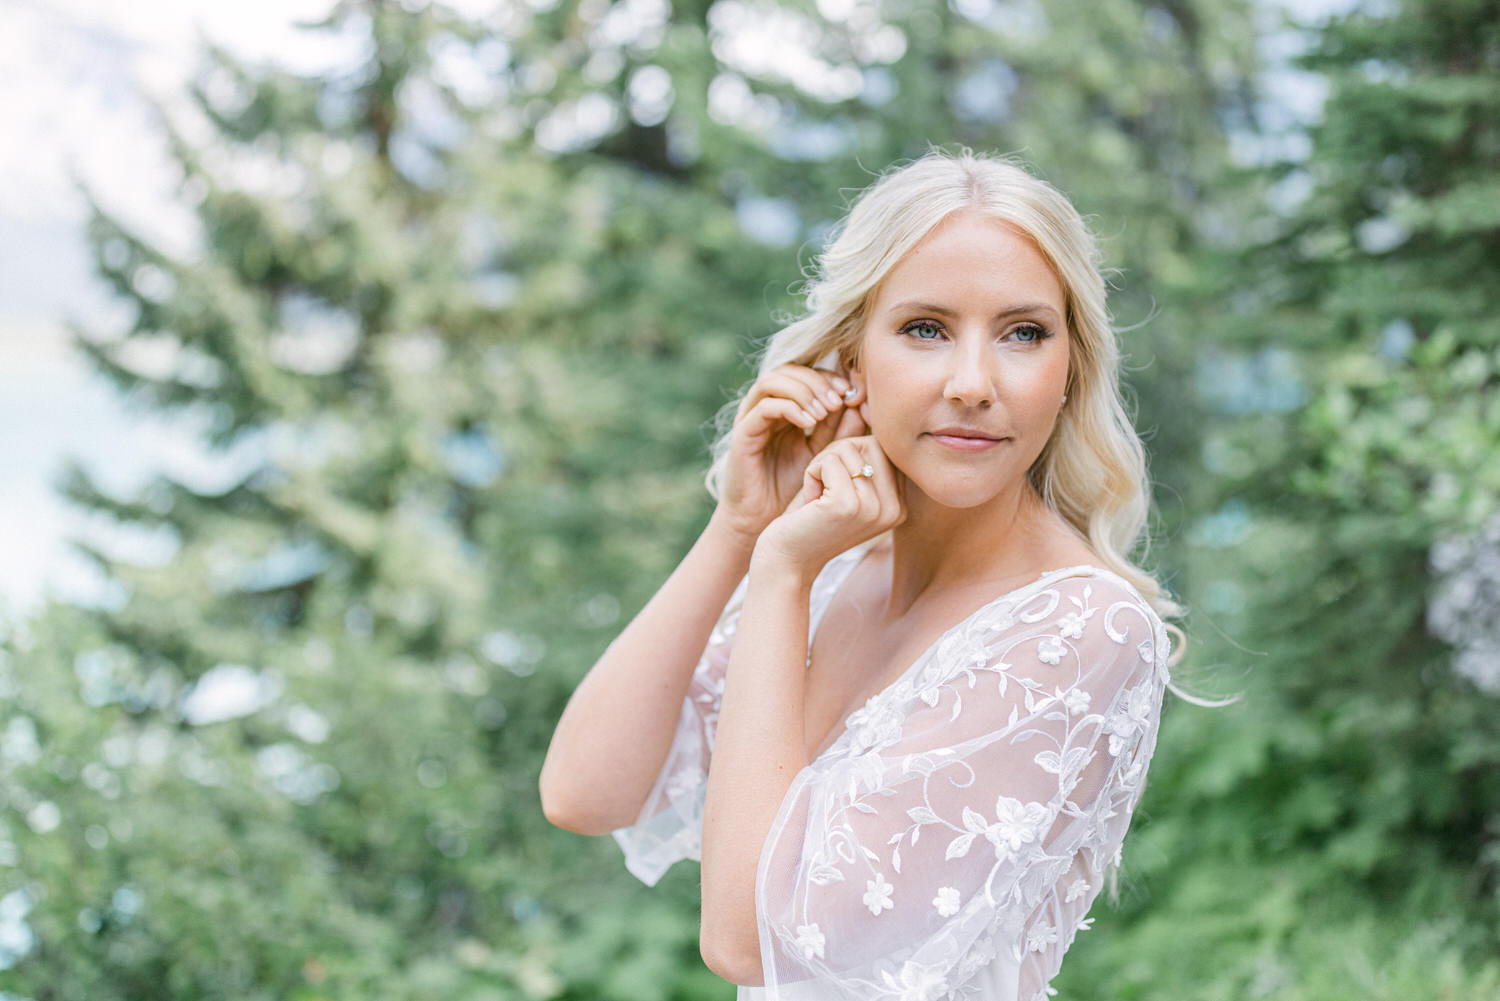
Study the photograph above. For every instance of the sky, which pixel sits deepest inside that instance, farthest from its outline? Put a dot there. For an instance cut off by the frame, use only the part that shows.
(75, 74)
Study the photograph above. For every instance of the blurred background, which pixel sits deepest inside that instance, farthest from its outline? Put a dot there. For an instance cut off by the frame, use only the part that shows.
(357, 369)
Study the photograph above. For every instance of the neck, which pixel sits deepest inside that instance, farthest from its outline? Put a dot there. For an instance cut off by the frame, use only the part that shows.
(940, 548)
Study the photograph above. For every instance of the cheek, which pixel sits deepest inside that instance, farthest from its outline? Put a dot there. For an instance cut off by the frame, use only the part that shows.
(1044, 389)
(885, 416)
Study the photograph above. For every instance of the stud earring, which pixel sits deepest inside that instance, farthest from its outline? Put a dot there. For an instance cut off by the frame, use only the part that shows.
(1064, 399)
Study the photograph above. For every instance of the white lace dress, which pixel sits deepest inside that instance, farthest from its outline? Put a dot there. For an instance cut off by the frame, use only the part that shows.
(950, 841)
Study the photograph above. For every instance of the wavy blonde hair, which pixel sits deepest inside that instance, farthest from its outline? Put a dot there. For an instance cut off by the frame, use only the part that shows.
(1092, 471)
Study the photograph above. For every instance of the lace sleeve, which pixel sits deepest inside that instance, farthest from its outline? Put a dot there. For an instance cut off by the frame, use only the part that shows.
(966, 818)
(670, 825)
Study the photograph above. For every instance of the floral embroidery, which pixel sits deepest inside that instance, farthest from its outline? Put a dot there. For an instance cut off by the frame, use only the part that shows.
(1050, 650)
(1071, 625)
(874, 724)
(810, 940)
(1040, 936)
(878, 894)
(916, 983)
(1076, 700)
(1131, 719)
(1076, 889)
(1020, 824)
(946, 901)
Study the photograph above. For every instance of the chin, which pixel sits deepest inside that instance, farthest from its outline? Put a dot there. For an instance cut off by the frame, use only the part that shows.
(961, 493)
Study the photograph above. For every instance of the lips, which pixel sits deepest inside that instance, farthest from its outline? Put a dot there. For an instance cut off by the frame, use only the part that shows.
(965, 439)
(957, 431)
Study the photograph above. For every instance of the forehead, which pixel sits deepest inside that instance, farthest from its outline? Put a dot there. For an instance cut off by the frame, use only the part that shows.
(973, 260)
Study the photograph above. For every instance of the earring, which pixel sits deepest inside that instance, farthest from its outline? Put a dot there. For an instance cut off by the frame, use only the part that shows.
(1064, 399)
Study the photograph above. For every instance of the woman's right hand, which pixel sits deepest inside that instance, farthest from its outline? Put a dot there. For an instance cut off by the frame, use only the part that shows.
(789, 415)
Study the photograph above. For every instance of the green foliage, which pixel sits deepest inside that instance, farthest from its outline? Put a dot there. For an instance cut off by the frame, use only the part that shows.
(1334, 835)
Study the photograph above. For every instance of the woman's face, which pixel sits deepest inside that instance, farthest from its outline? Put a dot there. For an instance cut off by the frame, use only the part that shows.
(965, 360)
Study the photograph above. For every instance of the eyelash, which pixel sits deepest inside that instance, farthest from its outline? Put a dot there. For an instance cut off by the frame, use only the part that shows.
(1042, 333)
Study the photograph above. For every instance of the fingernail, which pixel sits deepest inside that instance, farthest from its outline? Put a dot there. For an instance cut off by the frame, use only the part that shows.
(806, 416)
(850, 394)
(834, 399)
(840, 383)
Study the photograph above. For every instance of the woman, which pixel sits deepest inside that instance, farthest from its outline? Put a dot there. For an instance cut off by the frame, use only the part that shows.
(901, 694)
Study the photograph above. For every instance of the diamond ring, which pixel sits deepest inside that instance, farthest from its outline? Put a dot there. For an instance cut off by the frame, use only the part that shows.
(865, 470)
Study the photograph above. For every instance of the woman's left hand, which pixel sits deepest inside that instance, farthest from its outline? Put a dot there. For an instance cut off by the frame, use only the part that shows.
(850, 493)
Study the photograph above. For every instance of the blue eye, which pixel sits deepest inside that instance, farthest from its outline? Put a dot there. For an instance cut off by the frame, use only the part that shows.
(1030, 333)
(916, 325)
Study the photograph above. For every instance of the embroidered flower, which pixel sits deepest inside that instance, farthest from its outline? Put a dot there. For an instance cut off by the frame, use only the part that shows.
(946, 901)
(1020, 823)
(1130, 720)
(1071, 625)
(810, 940)
(1041, 936)
(1076, 889)
(1050, 650)
(875, 724)
(859, 774)
(917, 983)
(878, 894)
(1077, 700)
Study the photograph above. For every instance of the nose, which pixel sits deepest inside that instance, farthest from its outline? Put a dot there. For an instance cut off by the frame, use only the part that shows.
(971, 379)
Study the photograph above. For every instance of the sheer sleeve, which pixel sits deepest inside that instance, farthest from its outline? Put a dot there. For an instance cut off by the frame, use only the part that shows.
(669, 827)
(950, 842)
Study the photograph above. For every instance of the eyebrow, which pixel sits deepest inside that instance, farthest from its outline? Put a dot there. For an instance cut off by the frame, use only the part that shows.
(912, 305)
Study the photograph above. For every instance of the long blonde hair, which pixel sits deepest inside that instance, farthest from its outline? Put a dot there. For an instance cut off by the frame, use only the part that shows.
(1092, 471)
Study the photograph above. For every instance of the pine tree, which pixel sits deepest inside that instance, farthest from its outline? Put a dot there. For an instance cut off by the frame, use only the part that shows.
(1349, 806)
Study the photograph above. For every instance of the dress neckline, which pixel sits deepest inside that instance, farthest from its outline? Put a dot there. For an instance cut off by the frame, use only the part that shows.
(841, 725)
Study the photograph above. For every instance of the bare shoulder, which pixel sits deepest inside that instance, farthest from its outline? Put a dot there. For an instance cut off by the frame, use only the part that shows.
(1060, 546)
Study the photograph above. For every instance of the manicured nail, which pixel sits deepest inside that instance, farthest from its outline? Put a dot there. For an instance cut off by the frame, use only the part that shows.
(834, 399)
(840, 383)
(807, 416)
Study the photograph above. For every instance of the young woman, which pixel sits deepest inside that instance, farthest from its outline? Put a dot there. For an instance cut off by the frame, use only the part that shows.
(901, 695)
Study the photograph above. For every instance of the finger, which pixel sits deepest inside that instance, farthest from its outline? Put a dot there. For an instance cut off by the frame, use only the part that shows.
(858, 465)
(830, 387)
(862, 453)
(762, 418)
(854, 464)
(827, 430)
(839, 492)
(855, 395)
(796, 382)
(851, 425)
(812, 481)
(778, 384)
(844, 386)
